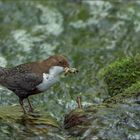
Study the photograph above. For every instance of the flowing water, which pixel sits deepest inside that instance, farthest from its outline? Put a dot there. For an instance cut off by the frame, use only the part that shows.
(92, 34)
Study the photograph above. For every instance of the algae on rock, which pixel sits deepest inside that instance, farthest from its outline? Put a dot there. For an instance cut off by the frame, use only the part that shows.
(13, 122)
(129, 95)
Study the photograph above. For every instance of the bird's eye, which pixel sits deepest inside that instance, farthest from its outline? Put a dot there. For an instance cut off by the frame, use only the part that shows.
(60, 62)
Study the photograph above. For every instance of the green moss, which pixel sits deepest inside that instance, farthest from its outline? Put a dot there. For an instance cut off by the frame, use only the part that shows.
(135, 88)
(122, 74)
(83, 13)
(129, 94)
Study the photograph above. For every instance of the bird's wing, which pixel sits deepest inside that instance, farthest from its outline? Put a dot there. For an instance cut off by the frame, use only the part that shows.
(27, 81)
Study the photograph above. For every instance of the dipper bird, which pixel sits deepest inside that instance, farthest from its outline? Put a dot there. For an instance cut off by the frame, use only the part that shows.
(33, 78)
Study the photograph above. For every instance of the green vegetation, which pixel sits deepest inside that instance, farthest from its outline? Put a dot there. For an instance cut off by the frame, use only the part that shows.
(122, 74)
(127, 96)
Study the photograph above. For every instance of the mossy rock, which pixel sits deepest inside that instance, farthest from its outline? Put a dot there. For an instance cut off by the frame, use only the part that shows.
(127, 96)
(122, 74)
(111, 119)
(74, 118)
(13, 122)
(116, 118)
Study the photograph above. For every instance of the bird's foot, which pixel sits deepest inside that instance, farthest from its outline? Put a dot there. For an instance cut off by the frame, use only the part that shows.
(22, 105)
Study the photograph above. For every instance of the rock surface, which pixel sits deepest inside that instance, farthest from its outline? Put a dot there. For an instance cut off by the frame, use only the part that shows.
(13, 122)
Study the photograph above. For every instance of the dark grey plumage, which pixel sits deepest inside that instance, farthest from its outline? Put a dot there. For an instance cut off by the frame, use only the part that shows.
(24, 79)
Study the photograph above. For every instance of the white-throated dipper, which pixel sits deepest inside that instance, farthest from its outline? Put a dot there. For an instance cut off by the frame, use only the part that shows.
(33, 78)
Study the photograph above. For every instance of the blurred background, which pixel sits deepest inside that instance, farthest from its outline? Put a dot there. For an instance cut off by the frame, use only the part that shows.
(92, 34)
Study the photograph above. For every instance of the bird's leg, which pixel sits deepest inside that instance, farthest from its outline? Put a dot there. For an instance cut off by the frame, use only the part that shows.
(30, 106)
(78, 100)
(22, 105)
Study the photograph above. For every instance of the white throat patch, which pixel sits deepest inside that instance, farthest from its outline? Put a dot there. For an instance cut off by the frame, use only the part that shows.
(56, 70)
(50, 78)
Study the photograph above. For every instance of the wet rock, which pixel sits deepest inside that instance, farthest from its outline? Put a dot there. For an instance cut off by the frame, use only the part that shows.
(15, 124)
(118, 117)
(109, 120)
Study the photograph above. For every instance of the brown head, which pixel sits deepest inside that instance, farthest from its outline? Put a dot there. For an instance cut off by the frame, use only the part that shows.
(45, 65)
(55, 60)
(58, 60)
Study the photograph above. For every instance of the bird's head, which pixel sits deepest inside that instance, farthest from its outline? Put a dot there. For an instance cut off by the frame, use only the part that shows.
(57, 64)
